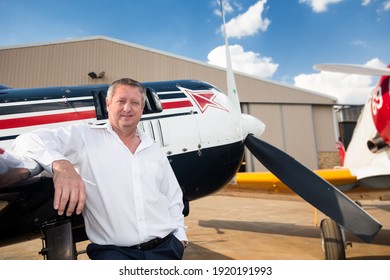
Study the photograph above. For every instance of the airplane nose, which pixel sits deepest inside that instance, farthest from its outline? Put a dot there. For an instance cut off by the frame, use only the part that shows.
(251, 125)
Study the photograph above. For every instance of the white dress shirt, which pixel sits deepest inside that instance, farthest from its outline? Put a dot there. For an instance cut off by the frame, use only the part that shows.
(131, 198)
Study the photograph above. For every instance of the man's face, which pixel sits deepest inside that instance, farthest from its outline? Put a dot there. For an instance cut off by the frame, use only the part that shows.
(125, 108)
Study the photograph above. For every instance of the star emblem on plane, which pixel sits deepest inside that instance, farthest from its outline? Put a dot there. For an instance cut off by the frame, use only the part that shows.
(203, 98)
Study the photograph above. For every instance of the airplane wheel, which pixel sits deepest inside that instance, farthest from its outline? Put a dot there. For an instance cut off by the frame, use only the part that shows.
(332, 240)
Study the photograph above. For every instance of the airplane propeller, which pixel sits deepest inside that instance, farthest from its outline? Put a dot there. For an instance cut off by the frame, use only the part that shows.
(353, 69)
(299, 178)
(315, 190)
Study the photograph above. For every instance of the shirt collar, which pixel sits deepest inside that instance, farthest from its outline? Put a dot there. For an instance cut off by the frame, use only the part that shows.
(146, 141)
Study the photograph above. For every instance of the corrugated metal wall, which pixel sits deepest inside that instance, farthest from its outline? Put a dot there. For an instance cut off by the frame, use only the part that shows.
(258, 90)
(324, 127)
(292, 129)
(299, 132)
(69, 64)
(294, 123)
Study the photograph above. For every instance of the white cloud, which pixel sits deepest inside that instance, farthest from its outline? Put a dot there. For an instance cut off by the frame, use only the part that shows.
(227, 8)
(319, 6)
(248, 23)
(366, 2)
(347, 88)
(359, 43)
(247, 62)
(386, 5)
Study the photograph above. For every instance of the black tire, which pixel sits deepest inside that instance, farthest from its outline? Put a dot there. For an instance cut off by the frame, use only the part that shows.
(332, 240)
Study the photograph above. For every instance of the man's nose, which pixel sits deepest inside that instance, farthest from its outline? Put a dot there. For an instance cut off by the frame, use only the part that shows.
(127, 107)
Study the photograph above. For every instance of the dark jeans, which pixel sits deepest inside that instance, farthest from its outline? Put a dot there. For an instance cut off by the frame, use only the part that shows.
(170, 249)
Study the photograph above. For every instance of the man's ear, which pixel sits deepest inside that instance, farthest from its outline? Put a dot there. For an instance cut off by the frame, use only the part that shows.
(107, 104)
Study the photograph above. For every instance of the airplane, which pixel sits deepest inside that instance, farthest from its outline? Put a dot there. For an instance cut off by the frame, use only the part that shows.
(201, 129)
(365, 164)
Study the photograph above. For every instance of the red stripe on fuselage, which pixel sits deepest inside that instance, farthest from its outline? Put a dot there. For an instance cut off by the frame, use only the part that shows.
(46, 119)
(176, 104)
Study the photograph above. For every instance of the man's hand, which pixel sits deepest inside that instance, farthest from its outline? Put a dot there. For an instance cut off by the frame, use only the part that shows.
(184, 243)
(13, 176)
(69, 188)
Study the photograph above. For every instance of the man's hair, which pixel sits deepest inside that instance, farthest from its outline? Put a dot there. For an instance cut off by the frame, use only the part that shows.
(125, 82)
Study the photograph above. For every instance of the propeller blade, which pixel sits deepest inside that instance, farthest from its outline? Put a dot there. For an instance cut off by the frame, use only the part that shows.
(353, 69)
(314, 189)
(231, 82)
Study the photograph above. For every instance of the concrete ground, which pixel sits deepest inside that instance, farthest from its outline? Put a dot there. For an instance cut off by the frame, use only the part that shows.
(249, 225)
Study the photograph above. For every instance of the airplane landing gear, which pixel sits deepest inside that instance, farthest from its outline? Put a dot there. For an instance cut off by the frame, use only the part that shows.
(332, 240)
(57, 241)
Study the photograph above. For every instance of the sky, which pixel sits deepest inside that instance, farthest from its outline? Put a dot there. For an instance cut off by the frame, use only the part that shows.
(275, 40)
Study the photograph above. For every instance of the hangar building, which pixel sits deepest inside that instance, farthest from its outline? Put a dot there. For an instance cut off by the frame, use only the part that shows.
(298, 121)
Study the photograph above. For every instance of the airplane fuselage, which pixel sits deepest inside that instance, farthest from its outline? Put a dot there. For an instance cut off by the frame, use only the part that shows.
(193, 124)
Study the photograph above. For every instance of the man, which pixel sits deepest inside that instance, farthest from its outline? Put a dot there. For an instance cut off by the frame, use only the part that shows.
(133, 202)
